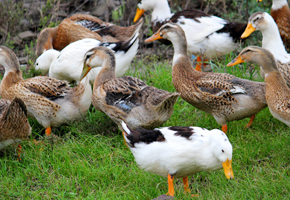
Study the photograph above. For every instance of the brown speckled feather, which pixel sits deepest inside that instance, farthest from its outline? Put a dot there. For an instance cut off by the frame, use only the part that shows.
(127, 98)
(13, 121)
(278, 96)
(50, 101)
(216, 93)
(282, 19)
(80, 26)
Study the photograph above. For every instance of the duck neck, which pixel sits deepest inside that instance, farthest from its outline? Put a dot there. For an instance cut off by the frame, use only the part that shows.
(161, 11)
(268, 64)
(180, 50)
(277, 4)
(272, 41)
(107, 73)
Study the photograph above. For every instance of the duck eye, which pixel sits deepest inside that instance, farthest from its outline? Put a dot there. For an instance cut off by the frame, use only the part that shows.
(223, 151)
(88, 56)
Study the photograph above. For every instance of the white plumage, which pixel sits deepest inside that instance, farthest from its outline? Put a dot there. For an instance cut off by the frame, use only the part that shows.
(179, 151)
(68, 63)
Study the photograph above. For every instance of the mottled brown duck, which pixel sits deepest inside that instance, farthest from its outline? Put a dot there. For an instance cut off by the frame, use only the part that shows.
(224, 96)
(50, 101)
(277, 92)
(82, 26)
(127, 98)
(14, 125)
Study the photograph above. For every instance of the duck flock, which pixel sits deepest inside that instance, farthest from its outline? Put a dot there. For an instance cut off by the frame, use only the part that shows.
(94, 55)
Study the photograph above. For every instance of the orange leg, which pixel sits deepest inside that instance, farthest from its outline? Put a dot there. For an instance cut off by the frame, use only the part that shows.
(225, 128)
(185, 184)
(198, 64)
(19, 147)
(123, 133)
(48, 131)
(170, 185)
(186, 189)
(251, 121)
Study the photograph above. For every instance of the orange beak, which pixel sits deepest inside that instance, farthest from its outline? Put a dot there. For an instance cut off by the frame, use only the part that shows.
(138, 14)
(156, 36)
(85, 71)
(236, 61)
(250, 29)
(228, 169)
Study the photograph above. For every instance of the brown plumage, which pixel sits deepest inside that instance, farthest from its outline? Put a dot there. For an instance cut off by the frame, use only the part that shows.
(79, 27)
(14, 126)
(50, 101)
(281, 15)
(127, 98)
(224, 96)
(277, 92)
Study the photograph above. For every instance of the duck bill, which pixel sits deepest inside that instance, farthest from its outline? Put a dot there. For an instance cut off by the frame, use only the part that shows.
(156, 36)
(86, 70)
(249, 29)
(138, 14)
(227, 165)
(236, 61)
(259, 0)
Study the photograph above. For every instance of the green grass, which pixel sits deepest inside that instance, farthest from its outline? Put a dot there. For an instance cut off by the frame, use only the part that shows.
(87, 159)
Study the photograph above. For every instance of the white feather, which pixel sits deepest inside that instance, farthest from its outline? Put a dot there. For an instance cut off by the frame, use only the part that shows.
(181, 156)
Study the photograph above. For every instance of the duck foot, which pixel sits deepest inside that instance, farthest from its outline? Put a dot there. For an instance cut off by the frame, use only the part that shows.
(251, 121)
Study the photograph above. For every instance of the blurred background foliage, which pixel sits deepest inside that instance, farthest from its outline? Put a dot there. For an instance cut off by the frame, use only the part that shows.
(18, 16)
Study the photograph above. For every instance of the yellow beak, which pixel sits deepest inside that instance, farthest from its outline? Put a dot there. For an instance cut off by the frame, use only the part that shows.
(259, 0)
(156, 36)
(249, 29)
(227, 165)
(85, 71)
(236, 61)
(138, 14)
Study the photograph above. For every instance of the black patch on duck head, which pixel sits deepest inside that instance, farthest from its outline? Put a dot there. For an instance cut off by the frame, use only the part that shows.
(183, 131)
(144, 135)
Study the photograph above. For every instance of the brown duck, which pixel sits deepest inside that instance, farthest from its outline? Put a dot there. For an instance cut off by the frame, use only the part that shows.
(79, 27)
(127, 98)
(277, 92)
(50, 101)
(14, 126)
(224, 96)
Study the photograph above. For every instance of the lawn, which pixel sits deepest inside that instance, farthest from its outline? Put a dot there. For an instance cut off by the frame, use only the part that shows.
(88, 159)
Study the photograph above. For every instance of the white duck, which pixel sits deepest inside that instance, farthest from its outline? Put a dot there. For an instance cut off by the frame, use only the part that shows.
(177, 152)
(206, 34)
(271, 40)
(68, 63)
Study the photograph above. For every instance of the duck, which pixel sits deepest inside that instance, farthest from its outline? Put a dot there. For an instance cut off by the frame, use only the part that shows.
(82, 26)
(272, 41)
(179, 151)
(67, 64)
(208, 35)
(222, 95)
(277, 92)
(281, 14)
(126, 98)
(50, 101)
(14, 125)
